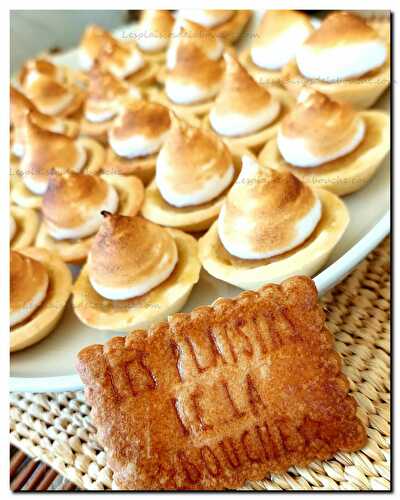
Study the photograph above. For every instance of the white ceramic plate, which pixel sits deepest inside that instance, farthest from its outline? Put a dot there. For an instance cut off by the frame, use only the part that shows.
(49, 365)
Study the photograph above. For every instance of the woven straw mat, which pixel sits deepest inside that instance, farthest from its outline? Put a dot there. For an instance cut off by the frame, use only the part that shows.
(56, 427)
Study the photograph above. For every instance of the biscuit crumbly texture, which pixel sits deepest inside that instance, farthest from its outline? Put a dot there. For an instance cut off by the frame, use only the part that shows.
(221, 395)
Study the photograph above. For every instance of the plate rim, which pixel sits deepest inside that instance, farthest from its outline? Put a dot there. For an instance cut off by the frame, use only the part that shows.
(324, 281)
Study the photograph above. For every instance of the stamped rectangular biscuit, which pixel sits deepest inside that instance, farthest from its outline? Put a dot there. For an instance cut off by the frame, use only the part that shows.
(225, 394)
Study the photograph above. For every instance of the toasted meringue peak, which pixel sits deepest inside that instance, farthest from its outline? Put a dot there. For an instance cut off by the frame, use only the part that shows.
(130, 256)
(279, 35)
(122, 59)
(39, 67)
(190, 32)
(207, 18)
(29, 281)
(73, 203)
(20, 106)
(140, 129)
(50, 96)
(104, 94)
(92, 43)
(318, 130)
(46, 150)
(194, 77)
(155, 30)
(266, 213)
(193, 167)
(343, 47)
(242, 105)
(13, 227)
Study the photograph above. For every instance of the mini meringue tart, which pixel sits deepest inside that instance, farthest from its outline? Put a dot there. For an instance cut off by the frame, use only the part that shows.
(192, 78)
(53, 97)
(24, 225)
(40, 285)
(328, 144)
(194, 171)
(106, 94)
(154, 33)
(246, 114)
(226, 24)
(45, 150)
(43, 66)
(277, 38)
(20, 106)
(72, 206)
(122, 59)
(135, 139)
(344, 58)
(137, 274)
(270, 227)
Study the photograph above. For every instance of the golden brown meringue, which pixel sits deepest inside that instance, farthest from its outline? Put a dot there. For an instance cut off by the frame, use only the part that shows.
(190, 33)
(155, 30)
(29, 269)
(93, 41)
(140, 129)
(207, 18)
(46, 150)
(343, 47)
(29, 280)
(40, 67)
(72, 204)
(242, 107)
(193, 166)
(52, 97)
(318, 130)
(278, 36)
(129, 257)
(195, 77)
(20, 106)
(266, 213)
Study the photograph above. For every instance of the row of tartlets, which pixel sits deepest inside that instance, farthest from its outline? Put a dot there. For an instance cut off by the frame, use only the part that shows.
(126, 173)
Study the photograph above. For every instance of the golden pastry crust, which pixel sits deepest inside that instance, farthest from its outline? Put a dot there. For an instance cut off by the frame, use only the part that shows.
(306, 258)
(147, 309)
(144, 76)
(22, 196)
(255, 141)
(96, 130)
(349, 173)
(262, 76)
(361, 92)
(143, 167)
(74, 251)
(27, 225)
(194, 218)
(231, 30)
(221, 395)
(45, 318)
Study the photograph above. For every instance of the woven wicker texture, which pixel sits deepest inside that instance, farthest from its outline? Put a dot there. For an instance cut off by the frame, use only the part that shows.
(56, 428)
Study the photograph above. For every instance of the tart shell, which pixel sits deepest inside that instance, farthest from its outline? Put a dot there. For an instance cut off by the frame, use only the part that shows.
(27, 222)
(262, 76)
(306, 259)
(45, 318)
(152, 307)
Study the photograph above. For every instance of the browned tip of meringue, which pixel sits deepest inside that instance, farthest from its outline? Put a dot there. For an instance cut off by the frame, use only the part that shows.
(193, 65)
(93, 40)
(127, 249)
(103, 85)
(341, 28)
(276, 22)
(323, 123)
(27, 277)
(239, 91)
(70, 196)
(20, 105)
(46, 149)
(40, 66)
(158, 20)
(140, 117)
